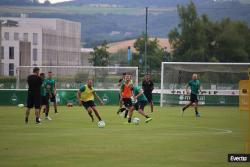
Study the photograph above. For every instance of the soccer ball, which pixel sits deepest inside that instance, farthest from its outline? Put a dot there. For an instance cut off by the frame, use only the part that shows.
(69, 104)
(20, 105)
(101, 124)
(136, 121)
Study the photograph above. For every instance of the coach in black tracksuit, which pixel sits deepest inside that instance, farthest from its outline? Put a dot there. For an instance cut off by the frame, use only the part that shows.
(34, 94)
(148, 87)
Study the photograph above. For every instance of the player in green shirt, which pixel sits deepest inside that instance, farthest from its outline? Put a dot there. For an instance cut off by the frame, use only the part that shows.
(51, 89)
(194, 85)
(140, 102)
(44, 98)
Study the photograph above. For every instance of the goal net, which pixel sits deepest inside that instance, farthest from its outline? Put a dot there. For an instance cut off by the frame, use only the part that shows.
(71, 77)
(219, 82)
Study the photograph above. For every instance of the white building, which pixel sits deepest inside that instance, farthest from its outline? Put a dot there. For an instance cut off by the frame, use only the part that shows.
(39, 41)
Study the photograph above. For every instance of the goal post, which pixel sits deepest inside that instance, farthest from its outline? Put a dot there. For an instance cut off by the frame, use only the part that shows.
(219, 81)
(71, 77)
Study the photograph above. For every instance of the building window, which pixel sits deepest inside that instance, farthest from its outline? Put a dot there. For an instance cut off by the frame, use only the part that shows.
(11, 69)
(16, 36)
(6, 36)
(35, 38)
(2, 53)
(25, 37)
(34, 54)
(11, 52)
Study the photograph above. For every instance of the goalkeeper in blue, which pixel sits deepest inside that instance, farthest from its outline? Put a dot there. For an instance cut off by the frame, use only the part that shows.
(194, 85)
(140, 102)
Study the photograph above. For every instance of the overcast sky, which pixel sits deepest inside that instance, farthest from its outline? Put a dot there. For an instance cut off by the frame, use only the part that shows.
(245, 1)
(54, 1)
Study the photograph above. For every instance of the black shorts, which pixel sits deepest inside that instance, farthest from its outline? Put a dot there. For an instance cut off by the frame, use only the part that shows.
(45, 100)
(193, 98)
(127, 102)
(87, 104)
(148, 96)
(140, 105)
(34, 100)
(52, 98)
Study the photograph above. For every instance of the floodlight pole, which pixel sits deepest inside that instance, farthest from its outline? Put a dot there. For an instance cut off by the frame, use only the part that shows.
(0, 39)
(1, 71)
(146, 39)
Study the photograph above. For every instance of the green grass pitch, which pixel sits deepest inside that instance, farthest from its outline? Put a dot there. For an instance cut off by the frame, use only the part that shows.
(72, 140)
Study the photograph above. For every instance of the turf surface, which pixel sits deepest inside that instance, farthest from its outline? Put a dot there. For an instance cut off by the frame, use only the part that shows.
(72, 140)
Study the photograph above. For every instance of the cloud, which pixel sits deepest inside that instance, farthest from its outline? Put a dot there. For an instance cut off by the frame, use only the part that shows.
(245, 1)
(54, 1)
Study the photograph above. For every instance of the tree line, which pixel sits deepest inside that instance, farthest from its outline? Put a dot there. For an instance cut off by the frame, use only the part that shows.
(195, 39)
(199, 39)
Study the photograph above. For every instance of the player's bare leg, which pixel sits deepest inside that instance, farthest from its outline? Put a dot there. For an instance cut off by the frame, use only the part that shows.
(130, 114)
(97, 113)
(47, 112)
(126, 112)
(37, 115)
(27, 115)
(47, 109)
(89, 110)
(186, 106)
(40, 112)
(152, 106)
(196, 109)
(148, 118)
(142, 113)
(121, 108)
(55, 107)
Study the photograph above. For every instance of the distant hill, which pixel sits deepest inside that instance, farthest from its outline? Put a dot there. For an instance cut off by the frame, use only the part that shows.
(117, 20)
(149, 3)
(133, 3)
(19, 2)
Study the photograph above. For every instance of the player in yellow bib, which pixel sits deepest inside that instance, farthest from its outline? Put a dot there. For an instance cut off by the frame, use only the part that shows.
(86, 96)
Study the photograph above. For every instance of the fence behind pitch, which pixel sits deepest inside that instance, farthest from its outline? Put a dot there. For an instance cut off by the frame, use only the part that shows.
(71, 77)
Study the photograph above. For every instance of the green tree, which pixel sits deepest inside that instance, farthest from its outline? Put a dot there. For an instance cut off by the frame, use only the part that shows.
(100, 55)
(231, 41)
(199, 39)
(189, 39)
(155, 54)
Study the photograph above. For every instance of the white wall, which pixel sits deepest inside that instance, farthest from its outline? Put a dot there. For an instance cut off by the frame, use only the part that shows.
(11, 42)
(6, 60)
